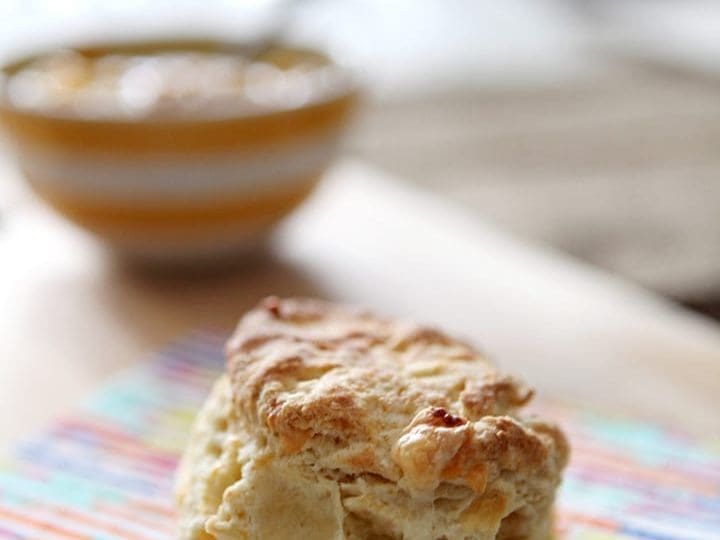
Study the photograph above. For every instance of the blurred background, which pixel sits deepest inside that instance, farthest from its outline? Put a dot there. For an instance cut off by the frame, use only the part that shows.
(592, 126)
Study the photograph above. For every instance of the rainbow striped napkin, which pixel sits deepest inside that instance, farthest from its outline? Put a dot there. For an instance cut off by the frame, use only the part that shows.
(106, 472)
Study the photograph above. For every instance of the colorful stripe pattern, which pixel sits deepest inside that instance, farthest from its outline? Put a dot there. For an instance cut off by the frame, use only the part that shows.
(105, 473)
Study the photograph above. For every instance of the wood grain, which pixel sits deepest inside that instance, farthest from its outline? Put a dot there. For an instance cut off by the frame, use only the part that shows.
(618, 168)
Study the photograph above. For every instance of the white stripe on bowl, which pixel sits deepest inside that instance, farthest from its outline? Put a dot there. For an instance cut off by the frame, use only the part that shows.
(178, 177)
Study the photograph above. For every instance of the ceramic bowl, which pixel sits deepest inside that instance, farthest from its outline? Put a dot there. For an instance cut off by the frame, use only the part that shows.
(185, 187)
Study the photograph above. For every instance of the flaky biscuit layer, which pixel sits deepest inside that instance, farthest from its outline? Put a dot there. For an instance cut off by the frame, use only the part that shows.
(335, 424)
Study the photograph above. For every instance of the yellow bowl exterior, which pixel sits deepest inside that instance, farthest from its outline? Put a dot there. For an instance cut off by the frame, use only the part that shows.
(178, 186)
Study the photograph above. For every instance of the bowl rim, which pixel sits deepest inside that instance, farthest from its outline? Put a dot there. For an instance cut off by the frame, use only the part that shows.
(347, 86)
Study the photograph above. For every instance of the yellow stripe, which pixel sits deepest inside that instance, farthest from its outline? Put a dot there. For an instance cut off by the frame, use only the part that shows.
(191, 135)
(185, 135)
(102, 215)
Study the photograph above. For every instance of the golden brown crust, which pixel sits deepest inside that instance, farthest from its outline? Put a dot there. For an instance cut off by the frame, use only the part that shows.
(378, 407)
(305, 371)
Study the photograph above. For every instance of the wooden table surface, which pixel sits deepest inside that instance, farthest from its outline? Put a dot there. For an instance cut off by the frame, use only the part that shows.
(70, 317)
(618, 168)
